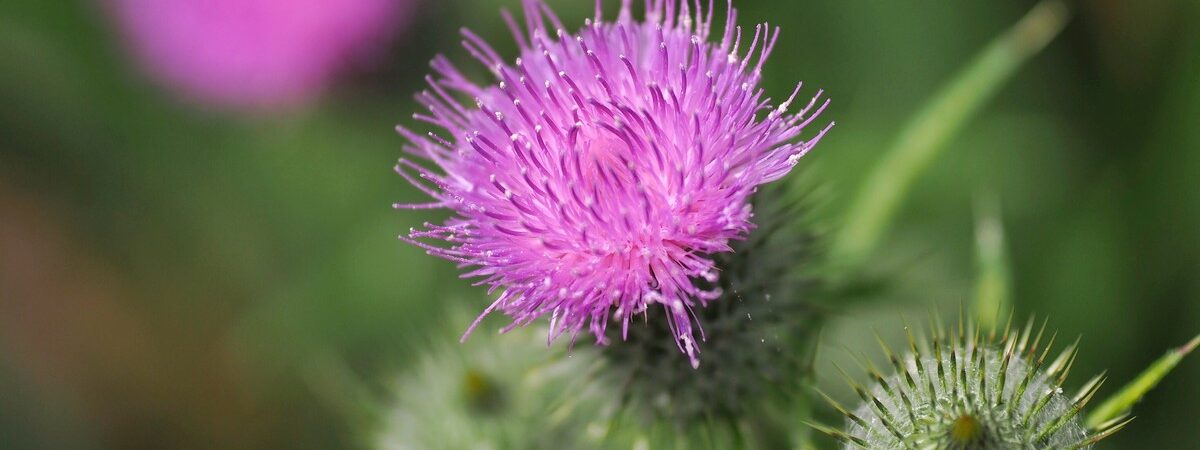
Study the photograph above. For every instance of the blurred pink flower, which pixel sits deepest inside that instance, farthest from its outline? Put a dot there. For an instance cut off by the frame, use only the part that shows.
(255, 53)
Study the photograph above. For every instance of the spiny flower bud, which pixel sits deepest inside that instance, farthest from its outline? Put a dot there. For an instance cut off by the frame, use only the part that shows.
(494, 393)
(961, 391)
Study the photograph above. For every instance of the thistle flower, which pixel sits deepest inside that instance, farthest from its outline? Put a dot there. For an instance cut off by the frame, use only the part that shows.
(601, 174)
(968, 392)
(254, 53)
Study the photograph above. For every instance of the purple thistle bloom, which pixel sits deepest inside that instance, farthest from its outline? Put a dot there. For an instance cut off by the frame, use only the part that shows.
(255, 54)
(600, 174)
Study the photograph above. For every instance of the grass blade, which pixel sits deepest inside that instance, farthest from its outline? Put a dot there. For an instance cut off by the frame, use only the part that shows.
(923, 138)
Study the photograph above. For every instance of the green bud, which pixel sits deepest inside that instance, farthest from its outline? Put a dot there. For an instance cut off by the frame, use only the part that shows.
(960, 390)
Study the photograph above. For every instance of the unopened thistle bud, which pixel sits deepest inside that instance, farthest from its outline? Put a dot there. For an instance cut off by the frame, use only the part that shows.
(964, 391)
(494, 393)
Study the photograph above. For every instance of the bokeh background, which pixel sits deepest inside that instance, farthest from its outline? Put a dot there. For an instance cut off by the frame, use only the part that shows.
(183, 266)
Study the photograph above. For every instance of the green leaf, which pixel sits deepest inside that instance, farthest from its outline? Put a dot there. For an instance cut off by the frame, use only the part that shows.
(1123, 400)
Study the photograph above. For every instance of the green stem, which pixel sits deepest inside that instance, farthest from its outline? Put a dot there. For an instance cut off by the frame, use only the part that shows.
(993, 288)
(924, 137)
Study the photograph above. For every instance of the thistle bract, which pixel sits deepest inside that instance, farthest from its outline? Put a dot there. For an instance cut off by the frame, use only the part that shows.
(600, 174)
(969, 392)
(761, 331)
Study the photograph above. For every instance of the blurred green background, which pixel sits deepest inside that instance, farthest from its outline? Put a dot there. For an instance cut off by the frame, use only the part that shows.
(180, 277)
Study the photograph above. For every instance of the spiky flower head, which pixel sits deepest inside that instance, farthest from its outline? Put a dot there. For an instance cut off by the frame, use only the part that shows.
(600, 174)
(965, 391)
(492, 394)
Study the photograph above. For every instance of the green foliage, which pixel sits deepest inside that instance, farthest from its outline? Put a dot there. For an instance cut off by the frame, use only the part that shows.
(924, 137)
(1122, 402)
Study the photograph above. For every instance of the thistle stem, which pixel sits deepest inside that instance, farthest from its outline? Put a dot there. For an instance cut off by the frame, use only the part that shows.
(993, 288)
(922, 139)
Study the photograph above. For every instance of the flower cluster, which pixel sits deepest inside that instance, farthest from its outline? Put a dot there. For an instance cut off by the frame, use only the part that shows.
(603, 171)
